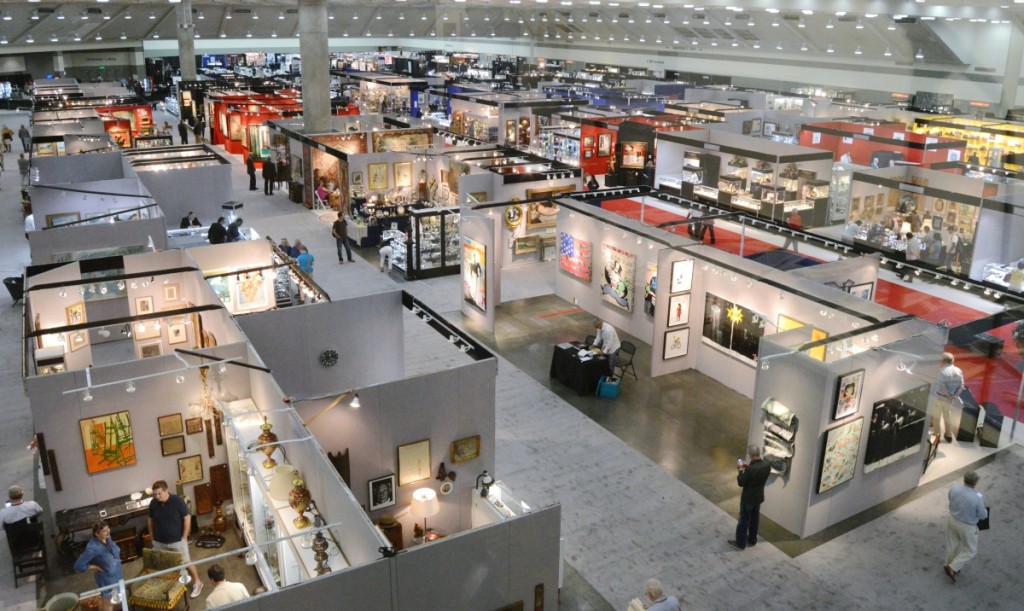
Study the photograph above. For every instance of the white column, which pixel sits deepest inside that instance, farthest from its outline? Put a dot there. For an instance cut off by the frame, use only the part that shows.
(316, 75)
(186, 42)
(1011, 74)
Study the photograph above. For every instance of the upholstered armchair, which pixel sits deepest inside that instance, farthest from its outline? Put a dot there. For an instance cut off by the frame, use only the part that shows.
(160, 592)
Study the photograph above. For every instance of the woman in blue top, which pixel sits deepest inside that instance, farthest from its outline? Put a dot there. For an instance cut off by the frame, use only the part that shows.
(102, 557)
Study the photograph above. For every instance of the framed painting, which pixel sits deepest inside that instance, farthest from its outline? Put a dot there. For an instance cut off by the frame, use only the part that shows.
(170, 424)
(146, 330)
(62, 218)
(897, 428)
(170, 292)
(682, 276)
(190, 469)
(251, 292)
(526, 244)
(604, 145)
(176, 334)
(510, 132)
(77, 340)
(588, 141)
(848, 389)
(148, 350)
(634, 155)
(676, 343)
(574, 256)
(414, 462)
(617, 282)
(75, 313)
(194, 426)
(107, 441)
(474, 273)
(172, 445)
(402, 173)
(221, 287)
(357, 179)
(465, 449)
(839, 456)
(378, 176)
(543, 214)
(143, 305)
(678, 310)
(587, 154)
(864, 291)
(382, 492)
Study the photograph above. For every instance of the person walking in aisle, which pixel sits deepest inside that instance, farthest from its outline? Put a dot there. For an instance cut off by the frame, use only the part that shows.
(339, 231)
(795, 223)
(26, 138)
(24, 167)
(752, 477)
(659, 600)
(946, 390)
(250, 169)
(197, 129)
(8, 136)
(966, 509)
(269, 175)
(387, 256)
(183, 131)
(707, 226)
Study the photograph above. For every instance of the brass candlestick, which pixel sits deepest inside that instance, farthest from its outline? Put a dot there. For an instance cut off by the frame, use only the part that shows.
(320, 553)
(268, 440)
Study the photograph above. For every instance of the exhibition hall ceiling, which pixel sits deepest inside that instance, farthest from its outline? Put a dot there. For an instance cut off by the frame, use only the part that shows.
(906, 32)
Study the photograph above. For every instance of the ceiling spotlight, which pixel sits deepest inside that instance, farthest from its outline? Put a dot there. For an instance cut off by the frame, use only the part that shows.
(87, 395)
(919, 54)
(857, 51)
(180, 379)
(355, 404)
(887, 52)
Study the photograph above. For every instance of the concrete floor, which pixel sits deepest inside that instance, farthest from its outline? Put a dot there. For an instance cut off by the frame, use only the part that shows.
(645, 482)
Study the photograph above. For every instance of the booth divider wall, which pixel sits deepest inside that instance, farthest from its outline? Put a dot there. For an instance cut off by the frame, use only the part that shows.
(70, 169)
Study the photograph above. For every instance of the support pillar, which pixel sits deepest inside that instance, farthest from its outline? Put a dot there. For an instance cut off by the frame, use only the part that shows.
(186, 41)
(1011, 74)
(316, 75)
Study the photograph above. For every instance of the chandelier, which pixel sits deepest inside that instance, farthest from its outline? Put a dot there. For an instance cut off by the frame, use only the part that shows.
(206, 408)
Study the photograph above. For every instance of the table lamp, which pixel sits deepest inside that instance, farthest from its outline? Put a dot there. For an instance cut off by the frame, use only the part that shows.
(425, 505)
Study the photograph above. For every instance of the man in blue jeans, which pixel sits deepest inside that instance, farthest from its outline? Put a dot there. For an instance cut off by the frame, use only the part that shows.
(752, 478)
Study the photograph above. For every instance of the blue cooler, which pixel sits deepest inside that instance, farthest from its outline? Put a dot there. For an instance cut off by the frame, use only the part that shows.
(607, 388)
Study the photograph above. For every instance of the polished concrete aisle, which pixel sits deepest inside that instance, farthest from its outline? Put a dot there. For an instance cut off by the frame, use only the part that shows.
(643, 481)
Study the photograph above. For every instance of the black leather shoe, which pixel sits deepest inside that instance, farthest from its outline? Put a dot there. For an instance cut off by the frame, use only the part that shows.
(733, 544)
(949, 439)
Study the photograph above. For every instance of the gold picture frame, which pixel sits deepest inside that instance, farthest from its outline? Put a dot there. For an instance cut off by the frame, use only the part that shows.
(171, 424)
(465, 449)
(171, 292)
(62, 218)
(75, 313)
(190, 469)
(414, 462)
(152, 349)
(378, 179)
(402, 173)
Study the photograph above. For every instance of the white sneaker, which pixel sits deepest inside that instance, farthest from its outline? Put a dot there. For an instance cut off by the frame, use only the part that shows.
(196, 589)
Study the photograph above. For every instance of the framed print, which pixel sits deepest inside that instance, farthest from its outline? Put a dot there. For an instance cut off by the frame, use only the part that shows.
(618, 281)
(864, 291)
(77, 340)
(769, 128)
(604, 145)
(465, 449)
(172, 445)
(190, 469)
(251, 292)
(588, 141)
(526, 244)
(510, 132)
(148, 350)
(357, 179)
(678, 310)
(107, 441)
(194, 426)
(378, 175)
(176, 334)
(170, 424)
(682, 276)
(897, 428)
(755, 126)
(414, 462)
(587, 154)
(75, 313)
(474, 273)
(221, 287)
(848, 390)
(574, 256)
(170, 292)
(63, 218)
(146, 330)
(382, 492)
(143, 305)
(543, 214)
(854, 206)
(676, 343)
(402, 173)
(839, 456)
(734, 327)
(936, 222)
(634, 154)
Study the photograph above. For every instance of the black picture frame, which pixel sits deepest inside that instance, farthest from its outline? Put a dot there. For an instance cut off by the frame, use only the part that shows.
(381, 492)
(843, 406)
(839, 454)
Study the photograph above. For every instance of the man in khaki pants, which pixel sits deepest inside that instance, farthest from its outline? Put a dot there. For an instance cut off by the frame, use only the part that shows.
(947, 389)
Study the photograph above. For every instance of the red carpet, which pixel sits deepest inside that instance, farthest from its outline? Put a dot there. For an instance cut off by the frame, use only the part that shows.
(994, 380)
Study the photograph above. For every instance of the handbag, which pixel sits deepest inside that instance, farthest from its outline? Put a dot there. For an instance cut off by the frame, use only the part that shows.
(983, 524)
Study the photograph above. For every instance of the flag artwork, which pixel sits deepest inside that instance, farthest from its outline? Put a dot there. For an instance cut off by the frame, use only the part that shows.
(574, 256)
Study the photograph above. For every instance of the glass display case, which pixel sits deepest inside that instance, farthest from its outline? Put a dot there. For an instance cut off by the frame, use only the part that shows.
(500, 504)
(839, 193)
(432, 246)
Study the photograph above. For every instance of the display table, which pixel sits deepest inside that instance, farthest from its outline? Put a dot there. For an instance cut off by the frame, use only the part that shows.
(582, 376)
(115, 511)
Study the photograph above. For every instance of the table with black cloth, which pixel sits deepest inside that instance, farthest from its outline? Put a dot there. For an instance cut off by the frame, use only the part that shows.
(581, 376)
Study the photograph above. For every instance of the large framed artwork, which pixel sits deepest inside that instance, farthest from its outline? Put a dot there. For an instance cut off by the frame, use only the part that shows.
(251, 291)
(456, 170)
(170, 424)
(402, 173)
(897, 428)
(848, 389)
(414, 462)
(678, 309)
(474, 273)
(650, 288)
(62, 218)
(107, 441)
(403, 140)
(634, 154)
(682, 276)
(75, 313)
(465, 449)
(617, 283)
(839, 456)
(676, 343)
(732, 326)
(190, 469)
(604, 145)
(382, 492)
(378, 179)
(543, 214)
(574, 256)
(172, 445)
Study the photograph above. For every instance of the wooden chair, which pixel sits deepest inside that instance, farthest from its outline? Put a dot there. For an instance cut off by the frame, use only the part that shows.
(160, 592)
(624, 359)
(27, 543)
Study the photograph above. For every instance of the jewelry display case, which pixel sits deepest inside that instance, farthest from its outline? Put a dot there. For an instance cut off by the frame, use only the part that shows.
(433, 248)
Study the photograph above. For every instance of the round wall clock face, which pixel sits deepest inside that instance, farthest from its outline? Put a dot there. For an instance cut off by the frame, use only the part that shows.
(329, 358)
(513, 216)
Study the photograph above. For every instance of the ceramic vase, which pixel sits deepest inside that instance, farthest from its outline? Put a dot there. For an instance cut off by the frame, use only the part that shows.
(268, 437)
(299, 500)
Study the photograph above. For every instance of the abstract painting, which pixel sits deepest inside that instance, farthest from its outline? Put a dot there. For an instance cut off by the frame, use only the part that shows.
(108, 442)
(839, 458)
(617, 283)
(574, 257)
(732, 326)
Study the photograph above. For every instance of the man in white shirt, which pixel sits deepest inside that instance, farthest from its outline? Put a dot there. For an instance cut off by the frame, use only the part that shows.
(608, 341)
(947, 389)
(224, 591)
(966, 509)
(18, 509)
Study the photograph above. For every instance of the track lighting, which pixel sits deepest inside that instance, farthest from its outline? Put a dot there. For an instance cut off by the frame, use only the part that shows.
(87, 395)
(355, 404)
(129, 387)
